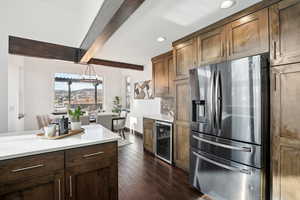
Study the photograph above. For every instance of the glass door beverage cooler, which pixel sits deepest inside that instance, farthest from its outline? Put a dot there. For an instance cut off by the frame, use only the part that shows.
(163, 141)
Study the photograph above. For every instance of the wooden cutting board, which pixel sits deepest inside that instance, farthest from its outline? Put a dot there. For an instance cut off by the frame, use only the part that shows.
(71, 133)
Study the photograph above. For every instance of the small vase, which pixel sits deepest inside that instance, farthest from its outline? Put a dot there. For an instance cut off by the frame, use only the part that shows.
(75, 126)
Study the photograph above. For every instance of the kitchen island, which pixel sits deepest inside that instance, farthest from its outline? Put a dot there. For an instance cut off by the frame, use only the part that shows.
(79, 167)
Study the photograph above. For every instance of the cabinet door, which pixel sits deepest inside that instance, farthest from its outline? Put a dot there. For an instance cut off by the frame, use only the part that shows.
(285, 32)
(285, 133)
(211, 46)
(160, 77)
(182, 144)
(48, 187)
(93, 180)
(182, 127)
(148, 134)
(182, 100)
(248, 35)
(185, 55)
(170, 64)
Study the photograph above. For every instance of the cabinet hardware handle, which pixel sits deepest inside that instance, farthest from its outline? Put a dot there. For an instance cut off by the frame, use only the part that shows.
(27, 168)
(223, 49)
(275, 81)
(93, 154)
(70, 182)
(275, 50)
(59, 190)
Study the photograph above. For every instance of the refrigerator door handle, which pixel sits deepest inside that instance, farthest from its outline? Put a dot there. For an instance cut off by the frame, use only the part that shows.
(245, 149)
(216, 103)
(212, 85)
(235, 169)
(220, 98)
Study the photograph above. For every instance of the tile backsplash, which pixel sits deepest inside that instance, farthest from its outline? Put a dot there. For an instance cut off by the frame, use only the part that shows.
(167, 106)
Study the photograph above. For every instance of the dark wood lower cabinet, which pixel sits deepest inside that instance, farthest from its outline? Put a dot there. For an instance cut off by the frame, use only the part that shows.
(48, 187)
(86, 173)
(148, 135)
(93, 181)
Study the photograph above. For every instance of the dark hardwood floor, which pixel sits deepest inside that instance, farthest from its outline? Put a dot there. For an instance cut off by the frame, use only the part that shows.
(143, 177)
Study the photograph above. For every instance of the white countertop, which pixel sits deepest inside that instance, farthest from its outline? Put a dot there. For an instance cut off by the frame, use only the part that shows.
(164, 118)
(14, 145)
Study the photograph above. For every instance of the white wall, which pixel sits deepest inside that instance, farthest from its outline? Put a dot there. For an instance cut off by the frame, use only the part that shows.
(140, 108)
(39, 90)
(3, 83)
(62, 22)
(39, 85)
(15, 93)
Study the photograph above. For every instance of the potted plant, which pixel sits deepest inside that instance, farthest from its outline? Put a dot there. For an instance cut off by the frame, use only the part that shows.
(75, 118)
(117, 107)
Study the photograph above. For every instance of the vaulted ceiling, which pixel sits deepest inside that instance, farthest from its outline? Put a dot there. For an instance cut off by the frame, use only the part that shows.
(135, 41)
(64, 22)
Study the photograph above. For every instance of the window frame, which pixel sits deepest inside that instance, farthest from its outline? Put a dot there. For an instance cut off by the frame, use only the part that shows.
(69, 81)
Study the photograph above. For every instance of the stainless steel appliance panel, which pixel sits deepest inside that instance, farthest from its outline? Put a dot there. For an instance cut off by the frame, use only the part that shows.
(234, 96)
(221, 179)
(202, 82)
(244, 153)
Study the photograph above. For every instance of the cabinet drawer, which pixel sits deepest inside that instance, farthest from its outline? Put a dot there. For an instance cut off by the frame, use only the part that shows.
(89, 154)
(30, 166)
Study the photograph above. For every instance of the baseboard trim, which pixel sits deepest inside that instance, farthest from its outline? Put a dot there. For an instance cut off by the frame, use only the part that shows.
(135, 132)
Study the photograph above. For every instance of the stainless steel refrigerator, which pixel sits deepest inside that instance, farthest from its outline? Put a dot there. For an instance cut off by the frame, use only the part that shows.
(229, 152)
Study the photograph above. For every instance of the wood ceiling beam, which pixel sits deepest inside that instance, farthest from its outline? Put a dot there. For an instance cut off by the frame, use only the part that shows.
(110, 63)
(33, 48)
(109, 18)
(38, 49)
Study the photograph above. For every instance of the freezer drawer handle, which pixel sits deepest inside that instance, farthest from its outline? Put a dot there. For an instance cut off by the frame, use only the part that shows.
(245, 149)
(235, 169)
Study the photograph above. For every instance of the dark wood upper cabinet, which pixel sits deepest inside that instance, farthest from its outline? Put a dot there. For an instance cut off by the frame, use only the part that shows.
(148, 126)
(160, 78)
(163, 75)
(285, 117)
(212, 46)
(171, 67)
(182, 100)
(248, 35)
(185, 58)
(285, 32)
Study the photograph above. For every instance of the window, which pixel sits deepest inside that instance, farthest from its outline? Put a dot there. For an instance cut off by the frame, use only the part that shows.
(71, 90)
(128, 91)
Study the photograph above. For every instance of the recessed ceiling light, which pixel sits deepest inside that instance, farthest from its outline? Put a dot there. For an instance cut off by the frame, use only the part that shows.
(227, 4)
(161, 39)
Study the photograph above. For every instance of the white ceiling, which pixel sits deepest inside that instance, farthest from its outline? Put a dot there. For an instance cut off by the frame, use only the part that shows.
(63, 22)
(135, 41)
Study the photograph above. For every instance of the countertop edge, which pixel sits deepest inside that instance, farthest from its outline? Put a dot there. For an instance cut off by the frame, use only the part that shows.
(159, 119)
(14, 156)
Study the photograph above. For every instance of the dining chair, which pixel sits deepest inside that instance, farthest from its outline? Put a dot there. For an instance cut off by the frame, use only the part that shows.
(119, 124)
(85, 120)
(43, 120)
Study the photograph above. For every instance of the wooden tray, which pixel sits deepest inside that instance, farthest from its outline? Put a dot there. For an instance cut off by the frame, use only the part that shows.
(71, 133)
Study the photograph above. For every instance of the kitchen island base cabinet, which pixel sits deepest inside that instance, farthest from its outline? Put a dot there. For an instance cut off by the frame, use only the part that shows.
(81, 173)
(48, 187)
